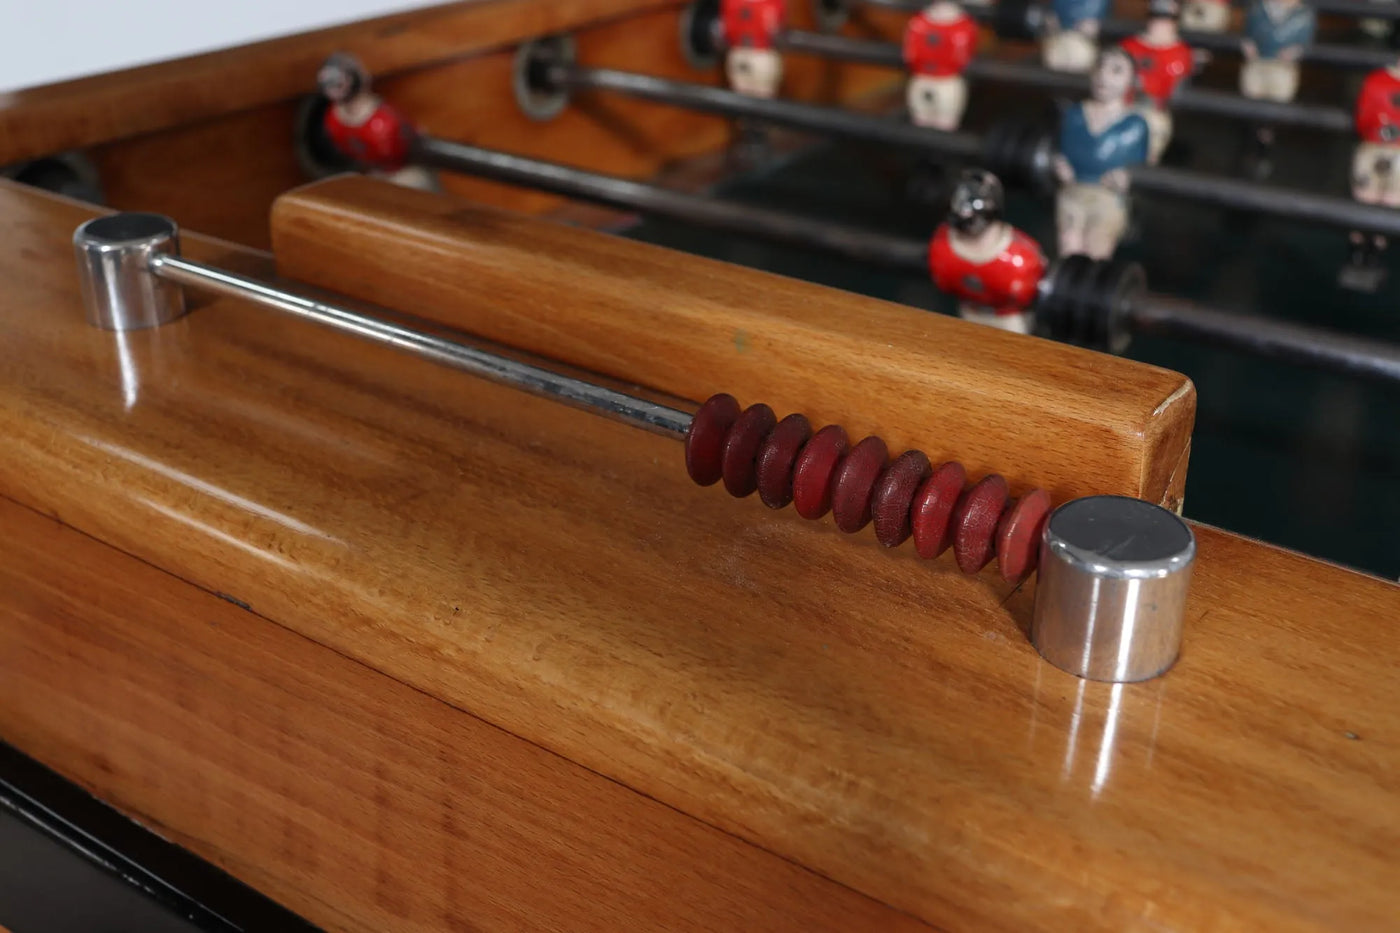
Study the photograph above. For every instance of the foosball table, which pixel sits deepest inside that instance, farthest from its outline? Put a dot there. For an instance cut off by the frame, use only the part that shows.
(307, 569)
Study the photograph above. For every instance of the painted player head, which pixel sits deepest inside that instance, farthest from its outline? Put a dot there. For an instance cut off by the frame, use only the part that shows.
(977, 202)
(1113, 75)
(1163, 9)
(342, 77)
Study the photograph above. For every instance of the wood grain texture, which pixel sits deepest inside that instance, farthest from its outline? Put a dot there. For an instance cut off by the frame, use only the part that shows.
(87, 111)
(1039, 413)
(358, 802)
(879, 720)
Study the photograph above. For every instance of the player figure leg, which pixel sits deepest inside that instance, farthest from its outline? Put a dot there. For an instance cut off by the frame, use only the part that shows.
(1205, 16)
(1069, 50)
(1375, 179)
(1269, 79)
(937, 103)
(1018, 323)
(754, 72)
(1091, 220)
(414, 176)
(1159, 130)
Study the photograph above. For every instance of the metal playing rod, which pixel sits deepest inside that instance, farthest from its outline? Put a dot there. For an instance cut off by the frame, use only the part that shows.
(1355, 9)
(704, 98)
(1336, 56)
(1236, 194)
(999, 71)
(1147, 313)
(120, 255)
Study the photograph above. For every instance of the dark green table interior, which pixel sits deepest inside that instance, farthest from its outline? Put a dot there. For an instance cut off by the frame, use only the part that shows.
(1306, 460)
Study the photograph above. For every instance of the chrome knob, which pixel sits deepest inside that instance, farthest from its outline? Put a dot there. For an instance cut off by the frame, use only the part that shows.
(114, 254)
(1111, 594)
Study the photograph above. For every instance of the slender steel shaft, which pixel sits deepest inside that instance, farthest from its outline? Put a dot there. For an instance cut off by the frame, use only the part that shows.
(1337, 56)
(536, 380)
(1292, 343)
(1306, 346)
(1025, 74)
(779, 226)
(831, 121)
(1356, 9)
(1290, 204)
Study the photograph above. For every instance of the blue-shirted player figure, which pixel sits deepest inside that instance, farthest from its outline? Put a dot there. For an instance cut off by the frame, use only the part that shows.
(1100, 139)
(1276, 33)
(1071, 41)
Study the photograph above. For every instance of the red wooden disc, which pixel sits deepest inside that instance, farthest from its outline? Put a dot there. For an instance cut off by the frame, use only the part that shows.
(975, 521)
(704, 442)
(776, 459)
(1018, 535)
(894, 494)
(855, 484)
(932, 509)
(738, 460)
(811, 478)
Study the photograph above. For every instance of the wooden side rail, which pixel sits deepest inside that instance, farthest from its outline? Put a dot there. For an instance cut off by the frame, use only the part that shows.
(1040, 413)
(347, 796)
(880, 720)
(85, 111)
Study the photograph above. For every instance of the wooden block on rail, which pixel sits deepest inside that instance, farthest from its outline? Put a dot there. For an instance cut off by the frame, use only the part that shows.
(1037, 412)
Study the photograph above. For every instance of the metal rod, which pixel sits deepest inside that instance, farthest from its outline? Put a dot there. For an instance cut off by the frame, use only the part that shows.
(779, 226)
(1290, 204)
(1337, 56)
(1306, 346)
(1236, 194)
(1292, 343)
(1354, 9)
(829, 121)
(536, 380)
(1000, 71)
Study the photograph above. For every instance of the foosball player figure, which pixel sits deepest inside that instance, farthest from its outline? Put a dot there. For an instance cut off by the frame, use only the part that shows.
(1162, 62)
(1071, 41)
(1375, 169)
(1206, 15)
(938, 45)
(1100, 140)
(751, 28)
(363, 127)
(992, 268)
(1276, 34)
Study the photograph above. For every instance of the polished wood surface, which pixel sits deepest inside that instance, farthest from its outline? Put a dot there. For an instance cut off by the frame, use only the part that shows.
(879, 720)
(347, 796)
(1040, 413)
(87, 111)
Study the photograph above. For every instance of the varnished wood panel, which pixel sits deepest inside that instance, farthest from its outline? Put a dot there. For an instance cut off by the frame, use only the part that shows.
(88, 111)
(878, 719)
(356, 801)
(1039, 413)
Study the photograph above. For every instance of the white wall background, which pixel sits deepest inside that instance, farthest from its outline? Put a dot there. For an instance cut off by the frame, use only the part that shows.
(42, 41)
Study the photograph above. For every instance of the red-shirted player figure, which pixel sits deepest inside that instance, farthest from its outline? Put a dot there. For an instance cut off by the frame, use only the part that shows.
(362, 126)
(1163, 62)
(938, 44)
(1375, 171)
(753, 66)
(992, 268)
